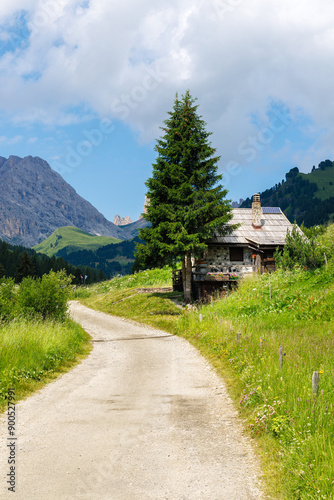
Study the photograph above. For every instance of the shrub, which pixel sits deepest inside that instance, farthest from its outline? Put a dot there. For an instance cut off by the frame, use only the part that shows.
(46, 297)
(7, 298)
(300, 251)
(326, 242)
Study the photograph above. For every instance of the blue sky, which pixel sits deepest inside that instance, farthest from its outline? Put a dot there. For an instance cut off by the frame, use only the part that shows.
(86, 85)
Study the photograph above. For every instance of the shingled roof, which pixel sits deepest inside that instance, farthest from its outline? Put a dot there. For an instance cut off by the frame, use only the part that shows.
(273, 230)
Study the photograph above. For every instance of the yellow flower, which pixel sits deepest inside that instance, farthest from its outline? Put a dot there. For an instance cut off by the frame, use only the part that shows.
(321, 371)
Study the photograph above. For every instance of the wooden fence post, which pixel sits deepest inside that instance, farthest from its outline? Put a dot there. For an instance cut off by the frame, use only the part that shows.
(315, 382)
(269, 289)
(200, 318)
(280, 357)
(238, 336)
(261, 342)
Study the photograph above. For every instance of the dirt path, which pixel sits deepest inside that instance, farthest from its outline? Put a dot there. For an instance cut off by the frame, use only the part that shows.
(142, 418)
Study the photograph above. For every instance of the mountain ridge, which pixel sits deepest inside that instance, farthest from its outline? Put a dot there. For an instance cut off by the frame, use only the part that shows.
(35, 201)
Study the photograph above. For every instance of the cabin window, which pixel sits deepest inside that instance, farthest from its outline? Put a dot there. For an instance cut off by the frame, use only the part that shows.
(236, 254)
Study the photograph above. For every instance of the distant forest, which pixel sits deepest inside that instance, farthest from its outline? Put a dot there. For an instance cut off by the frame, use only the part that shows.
(296, 197)
(19, 262)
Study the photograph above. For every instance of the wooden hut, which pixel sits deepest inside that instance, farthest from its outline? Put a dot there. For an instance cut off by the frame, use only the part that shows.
(249, 248)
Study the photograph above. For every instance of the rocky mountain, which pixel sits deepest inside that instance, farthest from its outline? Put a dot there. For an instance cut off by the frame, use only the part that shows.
(237, 204)
(131, 230)
(122, 221)
(35, 201)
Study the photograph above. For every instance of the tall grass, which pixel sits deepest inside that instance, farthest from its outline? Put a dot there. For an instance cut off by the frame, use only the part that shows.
(122, 297)
(151, 278)
(294, 426)
(37, 340)
(31, 351)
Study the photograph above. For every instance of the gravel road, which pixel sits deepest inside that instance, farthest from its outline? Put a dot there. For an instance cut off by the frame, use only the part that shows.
(143, 417)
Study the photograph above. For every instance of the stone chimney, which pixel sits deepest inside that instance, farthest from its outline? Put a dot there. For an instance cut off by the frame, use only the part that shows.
(256, 211)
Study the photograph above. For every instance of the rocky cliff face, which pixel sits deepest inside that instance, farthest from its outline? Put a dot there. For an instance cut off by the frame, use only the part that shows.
(122, 221)
(35, 200)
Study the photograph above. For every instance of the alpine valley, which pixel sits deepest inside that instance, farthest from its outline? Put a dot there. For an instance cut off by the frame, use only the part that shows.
(39, 209)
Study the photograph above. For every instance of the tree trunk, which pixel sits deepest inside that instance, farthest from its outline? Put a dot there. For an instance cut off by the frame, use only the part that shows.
(184, 275)
(187, 277)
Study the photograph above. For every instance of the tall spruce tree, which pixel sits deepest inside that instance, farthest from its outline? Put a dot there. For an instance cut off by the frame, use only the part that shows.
(186, 202)
(2, 271)
(25, 267)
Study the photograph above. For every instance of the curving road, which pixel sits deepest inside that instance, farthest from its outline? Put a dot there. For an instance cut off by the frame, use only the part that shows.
(144, 417)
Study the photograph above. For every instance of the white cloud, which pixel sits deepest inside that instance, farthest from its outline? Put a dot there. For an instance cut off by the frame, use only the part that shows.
(10, 140)
(127, 59)
(8, 9)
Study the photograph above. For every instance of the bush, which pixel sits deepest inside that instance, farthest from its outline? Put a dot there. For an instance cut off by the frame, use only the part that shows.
(46, 297)
(326, 242)
(300, 251)
(7, 298)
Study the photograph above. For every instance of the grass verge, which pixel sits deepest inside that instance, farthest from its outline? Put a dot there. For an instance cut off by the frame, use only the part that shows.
(142, 297)
(35, 352)
(293, 426)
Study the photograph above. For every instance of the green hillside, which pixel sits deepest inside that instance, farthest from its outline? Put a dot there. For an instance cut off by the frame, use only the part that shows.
(73, 239)
(19, 262)
(304, 198)
(113, 259)
(323, 177)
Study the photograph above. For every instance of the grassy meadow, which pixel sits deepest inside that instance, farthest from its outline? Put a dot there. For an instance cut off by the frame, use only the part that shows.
(37, 339)
(241, 335)
(35, 352)
(324, 181)
(74, 239)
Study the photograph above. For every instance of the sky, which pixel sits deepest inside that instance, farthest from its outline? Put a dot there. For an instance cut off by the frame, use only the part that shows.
(86, 85)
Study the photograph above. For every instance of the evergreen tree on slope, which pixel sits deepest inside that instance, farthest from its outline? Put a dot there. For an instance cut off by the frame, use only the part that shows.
(186, 202)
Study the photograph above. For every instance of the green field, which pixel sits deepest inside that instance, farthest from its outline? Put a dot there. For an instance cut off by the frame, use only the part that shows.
(74, 239)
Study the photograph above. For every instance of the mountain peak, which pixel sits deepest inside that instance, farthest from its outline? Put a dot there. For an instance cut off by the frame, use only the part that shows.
(122, 221)
(35, 201)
